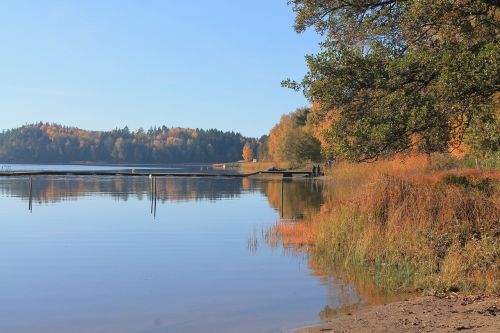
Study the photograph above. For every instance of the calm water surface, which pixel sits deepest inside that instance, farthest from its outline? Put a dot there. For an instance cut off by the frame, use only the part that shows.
(91, 257)
(193, 168)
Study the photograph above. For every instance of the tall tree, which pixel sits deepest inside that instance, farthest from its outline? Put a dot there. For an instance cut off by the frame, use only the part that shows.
(292, 139)
(400, 74)
(247, 152)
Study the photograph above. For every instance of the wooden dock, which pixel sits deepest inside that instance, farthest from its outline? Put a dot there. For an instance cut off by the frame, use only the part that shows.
(122, 173)
(284, 173)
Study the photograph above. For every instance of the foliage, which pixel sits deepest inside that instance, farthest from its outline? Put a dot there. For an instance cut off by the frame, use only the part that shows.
(247, 153)
(401, 75)
(492, 162)
(49, 143)
(263, 149)
(483, 136)
(292, 139)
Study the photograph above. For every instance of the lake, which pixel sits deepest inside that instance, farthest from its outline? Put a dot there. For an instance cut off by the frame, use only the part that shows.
(93, 256)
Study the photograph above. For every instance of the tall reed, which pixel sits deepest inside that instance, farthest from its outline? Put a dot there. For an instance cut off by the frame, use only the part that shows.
(403, 227)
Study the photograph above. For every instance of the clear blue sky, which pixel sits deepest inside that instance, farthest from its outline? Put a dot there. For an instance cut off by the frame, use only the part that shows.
(103, 64)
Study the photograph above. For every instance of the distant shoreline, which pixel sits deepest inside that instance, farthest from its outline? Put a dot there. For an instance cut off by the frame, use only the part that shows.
(105, 163)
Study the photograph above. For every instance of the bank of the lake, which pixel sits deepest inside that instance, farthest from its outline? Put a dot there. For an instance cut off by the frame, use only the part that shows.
(439, 313)
(404, 226)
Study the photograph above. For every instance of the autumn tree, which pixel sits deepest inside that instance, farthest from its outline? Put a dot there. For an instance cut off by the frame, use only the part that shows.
(247, 152)
(402, 75)
(292, 139)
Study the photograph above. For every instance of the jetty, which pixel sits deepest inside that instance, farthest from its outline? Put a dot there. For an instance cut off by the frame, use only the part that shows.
(283, 173)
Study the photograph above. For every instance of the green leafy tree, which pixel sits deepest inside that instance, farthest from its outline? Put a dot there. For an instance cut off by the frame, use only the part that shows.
(400, 75)
(483, 136)
(262, 148)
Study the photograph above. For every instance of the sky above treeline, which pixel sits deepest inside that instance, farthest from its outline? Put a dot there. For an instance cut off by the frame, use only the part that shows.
(102, 64)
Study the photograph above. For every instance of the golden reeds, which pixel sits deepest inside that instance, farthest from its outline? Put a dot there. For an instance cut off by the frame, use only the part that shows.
(405, 227)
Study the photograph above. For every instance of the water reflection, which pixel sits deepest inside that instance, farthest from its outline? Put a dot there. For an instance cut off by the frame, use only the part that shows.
(342, 297)
(84, 261)
(293, 199)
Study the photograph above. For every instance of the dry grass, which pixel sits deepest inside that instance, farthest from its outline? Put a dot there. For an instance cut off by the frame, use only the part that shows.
(403, 227)
(291, 234)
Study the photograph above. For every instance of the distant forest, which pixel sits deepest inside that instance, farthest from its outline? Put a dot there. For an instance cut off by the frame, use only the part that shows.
(53, 143)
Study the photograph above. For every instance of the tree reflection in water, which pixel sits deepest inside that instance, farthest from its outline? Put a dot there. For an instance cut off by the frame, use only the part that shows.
(294, 199)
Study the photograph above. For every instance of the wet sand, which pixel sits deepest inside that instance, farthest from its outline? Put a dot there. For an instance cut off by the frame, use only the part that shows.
(439, 313)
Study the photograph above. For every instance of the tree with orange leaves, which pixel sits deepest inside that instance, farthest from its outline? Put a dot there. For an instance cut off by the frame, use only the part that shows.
(247, 152)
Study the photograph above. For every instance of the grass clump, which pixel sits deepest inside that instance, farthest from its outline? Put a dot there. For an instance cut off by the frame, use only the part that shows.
(485, 185)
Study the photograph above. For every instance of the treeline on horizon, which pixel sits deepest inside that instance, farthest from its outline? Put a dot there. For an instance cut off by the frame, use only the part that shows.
(50, 143)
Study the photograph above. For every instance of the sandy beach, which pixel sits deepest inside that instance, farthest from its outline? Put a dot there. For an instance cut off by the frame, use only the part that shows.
(438, 313)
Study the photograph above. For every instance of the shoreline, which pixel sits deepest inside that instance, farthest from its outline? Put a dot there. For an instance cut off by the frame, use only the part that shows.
(450, 312)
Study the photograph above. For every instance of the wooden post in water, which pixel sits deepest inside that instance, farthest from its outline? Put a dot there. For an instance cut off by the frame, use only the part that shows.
(281, 197)
(151, 191)
(30, 204)
(156, 195)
